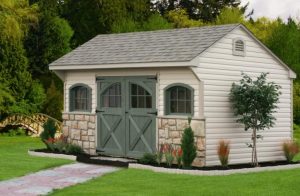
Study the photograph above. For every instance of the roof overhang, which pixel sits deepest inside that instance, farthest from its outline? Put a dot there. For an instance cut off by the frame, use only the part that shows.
(192, 63)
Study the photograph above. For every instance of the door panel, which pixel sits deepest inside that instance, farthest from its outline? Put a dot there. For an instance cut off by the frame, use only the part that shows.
(126, 116)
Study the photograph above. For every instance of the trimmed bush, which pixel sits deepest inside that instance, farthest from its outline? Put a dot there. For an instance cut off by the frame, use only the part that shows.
(49, 131)
(148, 158)
(188, 146)
(73, 149)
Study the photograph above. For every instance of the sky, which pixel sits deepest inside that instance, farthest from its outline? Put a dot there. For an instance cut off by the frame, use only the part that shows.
(274, 8)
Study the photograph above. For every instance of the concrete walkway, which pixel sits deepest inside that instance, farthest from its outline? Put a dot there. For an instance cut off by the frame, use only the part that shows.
(45, 181)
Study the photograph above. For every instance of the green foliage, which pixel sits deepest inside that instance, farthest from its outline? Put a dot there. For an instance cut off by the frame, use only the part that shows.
(284, 41)
(230, 16)
(148, 158)
(180, 19)
(296, 102)
(54, 103)
(156, 22)
(73, 149)
(14, 132)
(253, 103)
(49, 131)
(188, 147)
(168, 152)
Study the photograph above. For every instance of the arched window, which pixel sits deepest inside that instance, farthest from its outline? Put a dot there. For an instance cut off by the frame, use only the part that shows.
(238, 47)
(179, 99)
(80, 98)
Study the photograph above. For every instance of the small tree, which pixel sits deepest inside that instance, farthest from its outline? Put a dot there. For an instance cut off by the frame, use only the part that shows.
(254, 102)
(49, 131)
(188, 146)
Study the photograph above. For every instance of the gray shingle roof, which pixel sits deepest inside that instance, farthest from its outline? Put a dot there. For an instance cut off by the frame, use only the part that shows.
(174, 45)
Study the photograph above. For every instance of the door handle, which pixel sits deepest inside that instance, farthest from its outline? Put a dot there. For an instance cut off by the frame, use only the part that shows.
(154, 113)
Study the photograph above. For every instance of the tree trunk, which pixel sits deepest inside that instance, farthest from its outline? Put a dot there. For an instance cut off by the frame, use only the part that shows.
(254, 151)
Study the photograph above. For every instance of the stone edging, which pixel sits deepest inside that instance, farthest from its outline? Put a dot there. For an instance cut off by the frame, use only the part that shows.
(213, 172)
(52, 155)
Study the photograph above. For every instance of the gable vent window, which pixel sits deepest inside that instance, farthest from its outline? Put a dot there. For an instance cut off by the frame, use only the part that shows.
(238, 47)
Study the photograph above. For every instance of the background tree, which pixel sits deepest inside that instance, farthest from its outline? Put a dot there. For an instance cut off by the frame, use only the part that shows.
(253, 103)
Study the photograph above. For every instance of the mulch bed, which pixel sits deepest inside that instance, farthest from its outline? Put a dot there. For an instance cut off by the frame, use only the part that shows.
(86, 158)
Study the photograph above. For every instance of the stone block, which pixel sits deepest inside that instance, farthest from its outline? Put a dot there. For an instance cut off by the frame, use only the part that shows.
(79, 143)
(161, 141)
(172, 128)
(92, 144)
(71, 116)
(75, 134)
(68, 123)
(90, 131)
(87, 117)
(92, 151)
(172, 122)
(174, 134)
(161, 133)
(92, 118)
(200, 143)
(181, 124)
(176, 141)
(164, 122)
(79, 117)
(83, 125)
(84, 138)
(65, 116)
(166, 132)
(199, 162)
(198, 127)
(201, 153)
(84, 132)
(74, 124)
(91, 125)
(86, 145)
(91, 138)
(65, 130)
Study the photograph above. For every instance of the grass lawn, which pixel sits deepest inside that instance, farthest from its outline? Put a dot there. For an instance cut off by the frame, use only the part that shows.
(142, 182)
(15, 161)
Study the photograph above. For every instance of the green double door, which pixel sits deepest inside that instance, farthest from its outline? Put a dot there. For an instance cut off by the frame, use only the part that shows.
(126, 114)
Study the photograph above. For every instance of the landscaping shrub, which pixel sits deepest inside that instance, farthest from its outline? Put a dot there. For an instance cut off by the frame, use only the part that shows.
(188, 146)
(148, 158)
(15, 132)
(168, 151)
(49, 131)
(57, 144)
(290, 149)
(177, 153)
(223, 152)
(73, 149)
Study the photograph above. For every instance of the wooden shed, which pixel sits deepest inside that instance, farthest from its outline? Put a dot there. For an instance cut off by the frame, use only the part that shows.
(127, 93)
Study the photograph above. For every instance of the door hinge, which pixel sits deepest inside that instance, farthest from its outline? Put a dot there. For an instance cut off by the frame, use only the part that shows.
(97, 111)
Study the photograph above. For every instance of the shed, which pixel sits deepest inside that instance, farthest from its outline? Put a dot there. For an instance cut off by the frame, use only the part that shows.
(125, 94)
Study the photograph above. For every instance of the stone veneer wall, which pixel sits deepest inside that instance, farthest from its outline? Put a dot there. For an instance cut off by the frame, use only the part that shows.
(170, 131)
(80, 129)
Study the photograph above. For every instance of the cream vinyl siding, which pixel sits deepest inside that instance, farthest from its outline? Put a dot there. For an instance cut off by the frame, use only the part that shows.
(218, 69)
(165, 77)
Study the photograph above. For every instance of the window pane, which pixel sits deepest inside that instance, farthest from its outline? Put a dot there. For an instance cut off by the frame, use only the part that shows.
(141, 102)
(181, 93)
(173, 106)
(148, 102)
(188, 107)
(134, 101)
(140, 98)
(180, 100)
(181, 107)
(80, 98)
(112, 96)
(133, 89)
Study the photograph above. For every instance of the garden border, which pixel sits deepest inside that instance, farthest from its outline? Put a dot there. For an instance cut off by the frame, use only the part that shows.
(213, 172)
(52, 155)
